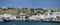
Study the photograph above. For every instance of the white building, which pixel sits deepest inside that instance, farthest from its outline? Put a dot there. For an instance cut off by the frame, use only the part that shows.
(7, 16)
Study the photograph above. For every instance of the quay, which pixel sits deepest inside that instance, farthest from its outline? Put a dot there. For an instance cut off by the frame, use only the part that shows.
(38, 14)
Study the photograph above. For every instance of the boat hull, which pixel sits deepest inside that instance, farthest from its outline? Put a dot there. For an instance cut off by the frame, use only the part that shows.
(29, 21)
(50, 21)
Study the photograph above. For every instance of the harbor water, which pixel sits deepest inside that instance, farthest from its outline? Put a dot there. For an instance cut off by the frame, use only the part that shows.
(28, 23)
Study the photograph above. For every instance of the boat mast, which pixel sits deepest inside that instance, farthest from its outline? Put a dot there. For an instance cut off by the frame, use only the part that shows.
(48, 13)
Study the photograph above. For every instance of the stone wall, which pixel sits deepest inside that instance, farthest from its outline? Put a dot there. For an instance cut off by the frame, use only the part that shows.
(9, 11)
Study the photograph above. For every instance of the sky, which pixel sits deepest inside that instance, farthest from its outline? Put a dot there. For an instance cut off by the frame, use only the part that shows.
(30, 3)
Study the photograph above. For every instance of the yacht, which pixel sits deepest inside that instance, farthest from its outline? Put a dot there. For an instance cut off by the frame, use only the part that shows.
(41, 17)
(10, 18)
(46, 17)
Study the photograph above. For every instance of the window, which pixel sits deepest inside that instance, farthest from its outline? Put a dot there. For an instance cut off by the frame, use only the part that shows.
(8, 18)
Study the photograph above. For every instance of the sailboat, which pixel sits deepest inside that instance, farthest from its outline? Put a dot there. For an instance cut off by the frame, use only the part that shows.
(47, 18)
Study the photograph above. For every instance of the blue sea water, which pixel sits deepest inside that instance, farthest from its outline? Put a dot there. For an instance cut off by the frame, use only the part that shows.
(28, 23)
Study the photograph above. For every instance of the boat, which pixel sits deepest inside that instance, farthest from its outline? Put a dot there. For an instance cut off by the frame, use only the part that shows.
(35, 18)
(4, 20)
